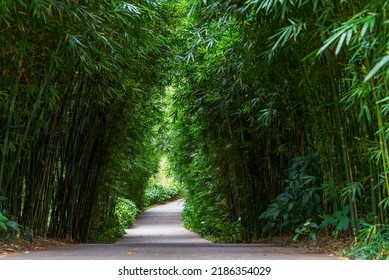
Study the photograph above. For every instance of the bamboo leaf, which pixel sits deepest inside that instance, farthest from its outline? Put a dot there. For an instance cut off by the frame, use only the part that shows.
(349, 36)
(366, 110)
(3, 226)
(343, 223)
(384, 100)
(129, 7)
(28, 233)
(330, 40)
(74, 41)
(315, 2)
(340, 43)
(14, 225)
(377, 67)
(364, 29)
(2, 217)
(189, 57)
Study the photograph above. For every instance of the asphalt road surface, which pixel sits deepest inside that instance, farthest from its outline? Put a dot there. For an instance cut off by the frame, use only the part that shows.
(159, 235)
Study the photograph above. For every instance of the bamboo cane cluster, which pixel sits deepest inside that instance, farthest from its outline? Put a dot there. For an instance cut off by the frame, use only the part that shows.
(284, 100)
(79, 95)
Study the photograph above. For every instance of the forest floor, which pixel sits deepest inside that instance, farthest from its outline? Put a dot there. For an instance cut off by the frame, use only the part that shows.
(323, 243)
(19, 245)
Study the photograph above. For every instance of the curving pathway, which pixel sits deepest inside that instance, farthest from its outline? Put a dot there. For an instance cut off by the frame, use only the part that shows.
(159, 234)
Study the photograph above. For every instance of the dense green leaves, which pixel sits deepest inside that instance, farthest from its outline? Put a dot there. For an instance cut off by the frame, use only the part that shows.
(126, 212)
(265, 84)
(280, 113)
(373, 245)
(159, 193)
(81, 84)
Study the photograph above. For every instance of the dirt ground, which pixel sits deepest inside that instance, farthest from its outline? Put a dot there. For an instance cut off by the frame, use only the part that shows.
(323, 243)
(19, 245)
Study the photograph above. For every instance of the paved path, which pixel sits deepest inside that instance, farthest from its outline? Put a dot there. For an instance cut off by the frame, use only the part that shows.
(159, 234)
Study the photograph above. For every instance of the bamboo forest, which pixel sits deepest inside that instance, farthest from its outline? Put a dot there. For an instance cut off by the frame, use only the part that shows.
(272, 117)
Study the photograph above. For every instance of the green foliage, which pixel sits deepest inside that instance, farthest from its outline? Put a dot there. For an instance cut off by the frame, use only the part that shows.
(158, 194)
(338, 222)
(3, 222)
(126, 211)
(259, 88)
(306, 229)
(7, 224)
(262, 85)
(111, 231)
(373, 243)
(300, 201)
(211, 220)
(9, 228)
(81, 85)
(113, 227)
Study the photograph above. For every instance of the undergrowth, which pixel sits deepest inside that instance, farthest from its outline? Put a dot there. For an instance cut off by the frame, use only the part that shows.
(372, 243)
(160, 193)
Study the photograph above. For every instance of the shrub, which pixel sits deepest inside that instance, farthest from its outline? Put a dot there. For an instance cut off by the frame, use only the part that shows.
(113, 231)
(299, 202)
(158, 194)
(373, 243)
(7, 226)
(126, 211)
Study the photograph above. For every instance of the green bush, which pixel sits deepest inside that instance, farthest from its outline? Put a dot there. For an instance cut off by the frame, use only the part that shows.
(126, 211)
(7, 225)
(111, 233)
(158, 194)
(210, 219)
(299, 202)
(9, 228)
(338, 222)
(112, 228)
(373, 243)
